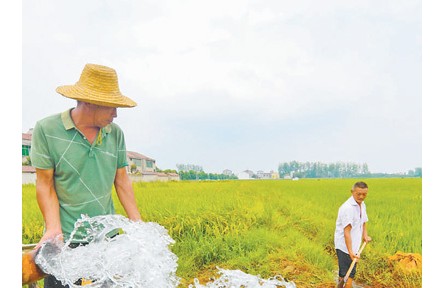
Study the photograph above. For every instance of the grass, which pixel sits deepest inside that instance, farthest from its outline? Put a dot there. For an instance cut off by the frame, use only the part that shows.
(272, 227)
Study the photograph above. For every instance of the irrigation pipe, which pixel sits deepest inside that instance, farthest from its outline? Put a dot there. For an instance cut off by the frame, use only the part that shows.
(28, 246)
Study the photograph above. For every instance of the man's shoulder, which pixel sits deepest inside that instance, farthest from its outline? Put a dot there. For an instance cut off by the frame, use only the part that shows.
(113, 128)
(346, 206)
(49, 120)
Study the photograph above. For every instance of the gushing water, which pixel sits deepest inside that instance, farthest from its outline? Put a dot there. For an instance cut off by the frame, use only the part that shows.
(239, 279)
(139, 256)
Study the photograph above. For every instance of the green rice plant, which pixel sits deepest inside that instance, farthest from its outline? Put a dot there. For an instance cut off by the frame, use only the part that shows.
(32, 219)
(270, 227)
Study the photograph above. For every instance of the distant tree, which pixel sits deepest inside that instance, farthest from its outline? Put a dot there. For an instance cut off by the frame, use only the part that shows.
(189, 167)
(322, 170)
(201, 175)
(365, 169)
(284, 169)
(416, 173)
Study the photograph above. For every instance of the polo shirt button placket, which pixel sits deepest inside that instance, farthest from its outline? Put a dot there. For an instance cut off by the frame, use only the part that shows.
(91, 153)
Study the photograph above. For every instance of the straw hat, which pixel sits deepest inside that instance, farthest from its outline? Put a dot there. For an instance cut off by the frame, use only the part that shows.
(97, 85)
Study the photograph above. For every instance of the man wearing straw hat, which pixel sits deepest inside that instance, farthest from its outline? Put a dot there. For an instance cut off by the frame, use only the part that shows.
(79, 155)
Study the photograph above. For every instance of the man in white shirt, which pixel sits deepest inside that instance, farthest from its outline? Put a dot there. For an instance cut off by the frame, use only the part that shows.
(350, 230)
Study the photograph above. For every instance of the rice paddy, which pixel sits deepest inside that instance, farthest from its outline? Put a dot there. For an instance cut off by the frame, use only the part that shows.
(273, 227)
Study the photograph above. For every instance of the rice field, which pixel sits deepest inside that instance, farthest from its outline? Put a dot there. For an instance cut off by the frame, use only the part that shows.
(273, 227)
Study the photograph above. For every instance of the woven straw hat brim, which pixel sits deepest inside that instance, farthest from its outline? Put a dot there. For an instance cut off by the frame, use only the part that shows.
(94, 97)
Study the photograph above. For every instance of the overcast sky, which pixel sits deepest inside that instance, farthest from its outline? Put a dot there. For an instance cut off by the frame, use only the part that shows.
(240, 84)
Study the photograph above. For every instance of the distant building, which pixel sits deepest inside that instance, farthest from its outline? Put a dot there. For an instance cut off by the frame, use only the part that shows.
(26, 146)
(173, 176)
(263, 175)
(275, 175)
(139, 163)
(28, 172)
(267, 175)
(154, 176)
(246, 174)
(143, 169)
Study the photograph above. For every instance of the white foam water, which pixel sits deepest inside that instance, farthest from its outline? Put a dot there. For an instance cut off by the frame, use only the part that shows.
(138, 257)
(239, 279)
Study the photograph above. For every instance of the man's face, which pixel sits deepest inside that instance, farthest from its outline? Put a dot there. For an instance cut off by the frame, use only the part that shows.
(104, 115)
(359, 194)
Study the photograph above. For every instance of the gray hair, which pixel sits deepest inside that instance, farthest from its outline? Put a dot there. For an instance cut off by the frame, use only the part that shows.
(360, 184)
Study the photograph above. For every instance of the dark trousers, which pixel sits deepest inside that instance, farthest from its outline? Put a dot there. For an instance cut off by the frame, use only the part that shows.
(344, 261)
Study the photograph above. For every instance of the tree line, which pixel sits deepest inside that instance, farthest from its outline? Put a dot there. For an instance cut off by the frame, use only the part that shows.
(322, 170)
(196, 172)
(193, 175)
(295, 169)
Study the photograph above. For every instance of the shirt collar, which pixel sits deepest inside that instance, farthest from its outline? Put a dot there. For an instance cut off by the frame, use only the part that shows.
(68, 122)
(352, 201)
(107, 129)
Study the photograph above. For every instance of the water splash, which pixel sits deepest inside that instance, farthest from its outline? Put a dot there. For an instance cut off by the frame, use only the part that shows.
(139, 256)
(239, 279)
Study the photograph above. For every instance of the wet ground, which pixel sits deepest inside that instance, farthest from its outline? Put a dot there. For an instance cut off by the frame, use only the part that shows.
(358, 285)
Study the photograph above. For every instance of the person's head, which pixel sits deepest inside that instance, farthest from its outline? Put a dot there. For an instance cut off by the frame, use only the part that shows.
(359, 191)
(97, 85)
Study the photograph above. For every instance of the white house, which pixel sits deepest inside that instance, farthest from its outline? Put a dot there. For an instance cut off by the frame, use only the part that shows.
(246, 174)
(139, 163)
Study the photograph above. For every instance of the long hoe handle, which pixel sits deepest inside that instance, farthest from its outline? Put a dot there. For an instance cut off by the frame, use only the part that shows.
(352, 265)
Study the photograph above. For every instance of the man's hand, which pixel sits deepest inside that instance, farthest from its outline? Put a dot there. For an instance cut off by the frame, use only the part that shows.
(56, 235)
(354, 256)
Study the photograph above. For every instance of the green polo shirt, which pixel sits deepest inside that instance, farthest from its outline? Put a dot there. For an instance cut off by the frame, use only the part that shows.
(83, 172)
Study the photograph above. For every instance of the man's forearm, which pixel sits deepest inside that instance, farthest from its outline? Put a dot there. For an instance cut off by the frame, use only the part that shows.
(48, 202)
(348, 240)
(125, 193)
(49, 207)
(129, 203)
